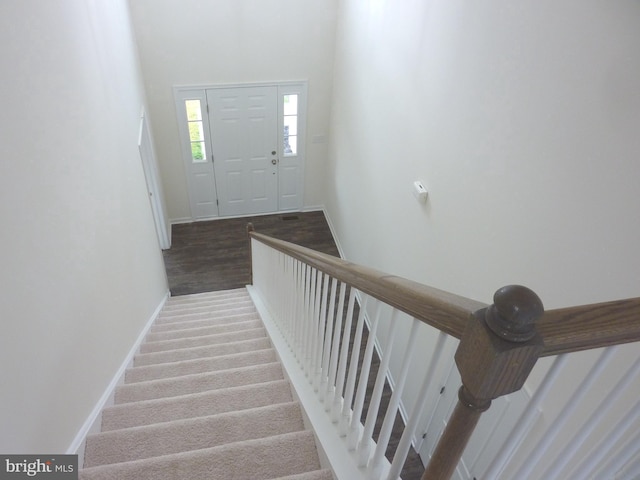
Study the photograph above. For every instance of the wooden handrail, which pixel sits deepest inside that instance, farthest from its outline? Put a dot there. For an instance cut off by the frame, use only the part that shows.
(445, 311)
(566, 330)
(563, 330)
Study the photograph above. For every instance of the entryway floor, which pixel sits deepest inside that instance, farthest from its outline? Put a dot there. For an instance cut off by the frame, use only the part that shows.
(214, 255)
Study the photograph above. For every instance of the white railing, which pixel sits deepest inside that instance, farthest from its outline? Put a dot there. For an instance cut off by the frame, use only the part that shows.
(315, 316)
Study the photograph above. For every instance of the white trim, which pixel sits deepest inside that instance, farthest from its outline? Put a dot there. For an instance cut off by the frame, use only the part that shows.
(184, 220)
(205, 86)
(181, 220)
(151, 174)
(93, 421)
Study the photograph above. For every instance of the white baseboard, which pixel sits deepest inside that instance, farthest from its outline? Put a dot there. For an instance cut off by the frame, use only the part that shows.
(93, 421)
(178, 221)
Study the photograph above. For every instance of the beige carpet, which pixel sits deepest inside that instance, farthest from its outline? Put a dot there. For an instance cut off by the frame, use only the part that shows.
(205, 399)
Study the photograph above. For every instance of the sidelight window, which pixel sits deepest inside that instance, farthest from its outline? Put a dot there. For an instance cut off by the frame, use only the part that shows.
(290, 124)
(196, 131)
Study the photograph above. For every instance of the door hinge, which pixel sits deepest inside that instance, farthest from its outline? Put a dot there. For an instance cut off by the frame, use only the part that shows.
(207, 108)
(212, 158)
(217, 202)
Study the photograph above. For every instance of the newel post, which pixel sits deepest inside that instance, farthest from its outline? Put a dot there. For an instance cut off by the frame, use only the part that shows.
(250, 229)
(496, 353)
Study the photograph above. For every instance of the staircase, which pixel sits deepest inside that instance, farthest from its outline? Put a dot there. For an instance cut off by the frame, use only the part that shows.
(206, 398)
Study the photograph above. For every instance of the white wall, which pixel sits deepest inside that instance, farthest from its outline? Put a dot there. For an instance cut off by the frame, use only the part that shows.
(189, 42)
(81, 268)
(522, 120)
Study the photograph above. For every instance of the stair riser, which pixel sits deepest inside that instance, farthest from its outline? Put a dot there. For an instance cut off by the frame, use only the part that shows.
(196, 297)
(189, 367)
(205, 322)
(202, 341)
(203, 382)
(196, 405)
(210, 306)
(201, 352)
(210, 330)
(200, 315)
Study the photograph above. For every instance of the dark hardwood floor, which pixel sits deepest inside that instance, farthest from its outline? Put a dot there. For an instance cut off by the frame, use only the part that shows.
(214, 255)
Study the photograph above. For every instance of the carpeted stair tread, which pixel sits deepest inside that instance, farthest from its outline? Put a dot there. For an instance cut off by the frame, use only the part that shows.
(195, 297)
(207, 298)
(313, 475)
(206, 330)
(195, 405)
(207, 321)
(218, 310)
(197, 383)
(203, 340)
(199, 315)
(202, 352)
(200, 365)
(191, 434)
(206, 306)
(170, 307)
(260, 459)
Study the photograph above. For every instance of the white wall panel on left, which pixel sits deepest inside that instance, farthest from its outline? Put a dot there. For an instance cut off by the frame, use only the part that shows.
(81, 267)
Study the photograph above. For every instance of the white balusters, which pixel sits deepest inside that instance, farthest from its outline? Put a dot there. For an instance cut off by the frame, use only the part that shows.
(322, 323)
(514, 438)
(342, 364)
(394, 402)
(355, 427)
(619, 461)
(315, 328)
(626, 423)
(345, 419)
(537, 453)
(310, 323)
(412, 424)
(326, 350)
(568, 453)
(364, 448)
(335, 345)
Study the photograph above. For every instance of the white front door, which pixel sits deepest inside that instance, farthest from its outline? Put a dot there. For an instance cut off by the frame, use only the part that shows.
(243, 148)
(244, 134)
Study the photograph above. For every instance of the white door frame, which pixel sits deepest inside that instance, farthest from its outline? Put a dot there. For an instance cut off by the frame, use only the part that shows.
(290, 198)
(150, 168)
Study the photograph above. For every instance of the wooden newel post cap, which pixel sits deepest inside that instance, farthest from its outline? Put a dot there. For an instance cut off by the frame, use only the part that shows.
(500, 345)
(514, 313)
(250, 227)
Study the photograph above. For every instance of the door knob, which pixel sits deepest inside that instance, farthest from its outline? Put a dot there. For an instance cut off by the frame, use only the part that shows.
(274, 161)
(273, 152)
